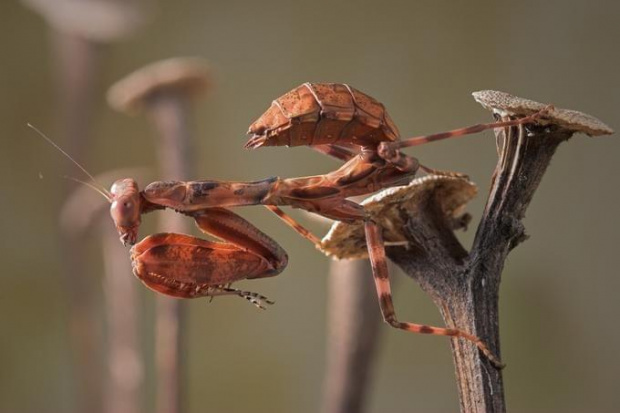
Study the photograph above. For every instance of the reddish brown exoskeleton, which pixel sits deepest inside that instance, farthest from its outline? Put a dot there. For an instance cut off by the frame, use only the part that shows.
(183, 266)
(331, 118)
(334, 119)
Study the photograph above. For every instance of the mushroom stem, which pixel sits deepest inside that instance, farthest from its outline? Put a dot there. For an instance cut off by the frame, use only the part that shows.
(125, 365)
(169, 114)
(123, 370)
(77, 62)
(353, 334)
(163, 90)
(76, 72)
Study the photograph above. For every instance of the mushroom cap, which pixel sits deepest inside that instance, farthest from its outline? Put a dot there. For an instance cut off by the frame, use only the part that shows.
(449, 194)
(97, 20)
(179, 75)
(507, 104)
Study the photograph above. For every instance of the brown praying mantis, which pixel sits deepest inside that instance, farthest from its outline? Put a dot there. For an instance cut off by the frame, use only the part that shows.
(334, 119)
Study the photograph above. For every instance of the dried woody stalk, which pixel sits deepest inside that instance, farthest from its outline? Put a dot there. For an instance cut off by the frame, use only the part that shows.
(465, 285)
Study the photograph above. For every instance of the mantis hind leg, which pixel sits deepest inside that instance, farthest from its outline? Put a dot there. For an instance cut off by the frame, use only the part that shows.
(390, 150)
(376, 252)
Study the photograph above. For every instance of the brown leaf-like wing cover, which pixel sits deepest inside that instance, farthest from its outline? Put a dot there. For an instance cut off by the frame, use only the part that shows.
(323, 113)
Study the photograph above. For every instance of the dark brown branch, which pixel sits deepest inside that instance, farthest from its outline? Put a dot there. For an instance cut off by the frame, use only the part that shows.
(465, 286)
(423, 215)
(432, 207)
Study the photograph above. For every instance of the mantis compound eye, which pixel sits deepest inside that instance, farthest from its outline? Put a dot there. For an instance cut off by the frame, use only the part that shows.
(127, 208)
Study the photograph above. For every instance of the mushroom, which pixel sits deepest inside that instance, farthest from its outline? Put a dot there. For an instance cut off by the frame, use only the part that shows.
(83, 210)
(164, 90)
(505, 104)
(392, 207)
(175, 78)
(79, 31)
(96, 20)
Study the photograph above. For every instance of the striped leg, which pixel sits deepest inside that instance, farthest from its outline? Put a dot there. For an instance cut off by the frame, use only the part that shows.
(257, 299)
(301, 230)
(389, 150)
(342, 151)
(376, 252)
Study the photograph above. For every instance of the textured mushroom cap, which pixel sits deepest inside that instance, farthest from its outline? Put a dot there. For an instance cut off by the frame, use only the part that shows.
(504, 103)
(386, 208)
(179, 75)
(97, 20)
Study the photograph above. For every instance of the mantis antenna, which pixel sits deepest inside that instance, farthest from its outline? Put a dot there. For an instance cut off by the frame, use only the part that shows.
(101, 189)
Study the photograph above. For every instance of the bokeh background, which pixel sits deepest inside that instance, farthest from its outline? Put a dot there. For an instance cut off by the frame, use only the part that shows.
(559, 298)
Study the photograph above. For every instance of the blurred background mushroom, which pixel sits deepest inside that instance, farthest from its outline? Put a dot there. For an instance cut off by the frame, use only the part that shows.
(122, 389)
(80, 32)
(353, 336)
(353, 330)
(164, 90)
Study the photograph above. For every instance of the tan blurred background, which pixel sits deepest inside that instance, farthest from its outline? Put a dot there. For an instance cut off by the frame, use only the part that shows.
(560, 292)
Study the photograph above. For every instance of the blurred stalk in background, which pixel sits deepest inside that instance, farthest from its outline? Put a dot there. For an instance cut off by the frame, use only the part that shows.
(163, 90)
(79, 32)
(353, 324)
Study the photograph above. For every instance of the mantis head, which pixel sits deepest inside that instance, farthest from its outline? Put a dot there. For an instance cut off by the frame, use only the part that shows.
(125, 209)
(124, 197)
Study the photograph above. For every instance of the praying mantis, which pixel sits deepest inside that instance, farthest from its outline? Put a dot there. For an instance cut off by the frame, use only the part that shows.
(334, 119)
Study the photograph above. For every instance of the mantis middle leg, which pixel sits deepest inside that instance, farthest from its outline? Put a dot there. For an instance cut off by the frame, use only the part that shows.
(378, 260)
